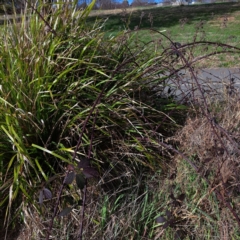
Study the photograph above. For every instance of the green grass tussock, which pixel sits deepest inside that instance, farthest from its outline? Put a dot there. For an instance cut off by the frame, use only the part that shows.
(62, 80)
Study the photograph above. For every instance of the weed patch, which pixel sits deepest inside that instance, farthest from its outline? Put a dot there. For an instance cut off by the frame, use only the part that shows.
(91, 143)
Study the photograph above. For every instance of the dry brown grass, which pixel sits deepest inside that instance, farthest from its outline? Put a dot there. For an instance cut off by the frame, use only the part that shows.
(214, 149)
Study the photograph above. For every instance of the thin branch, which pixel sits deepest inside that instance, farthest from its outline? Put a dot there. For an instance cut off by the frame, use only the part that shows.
(85, 185)
(82, 211)
(56, 207)
(45, 21)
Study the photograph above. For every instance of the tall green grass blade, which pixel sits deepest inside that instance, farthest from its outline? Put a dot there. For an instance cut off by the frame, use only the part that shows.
(41, 170)
(51, 152)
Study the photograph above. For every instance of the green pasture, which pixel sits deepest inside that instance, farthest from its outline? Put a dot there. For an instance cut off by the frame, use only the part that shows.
(185, 24)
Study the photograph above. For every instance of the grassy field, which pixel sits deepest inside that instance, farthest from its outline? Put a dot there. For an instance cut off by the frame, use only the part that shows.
(184, 24)
(91, 145)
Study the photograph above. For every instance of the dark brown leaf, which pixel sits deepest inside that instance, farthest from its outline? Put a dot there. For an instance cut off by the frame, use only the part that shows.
(166, 224)
(168, 214)
(172, 196)
(41, 197)
(47, 193)
(176, 203)
(181, 197)
(161, 219)
(220, 150)
(207, 160)
(69, 178)
(70, 167)
(90, 172)
(172, 176)
(172, 222)
(69, 199)
(65, 212)
(80, 180)
(84, 162)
